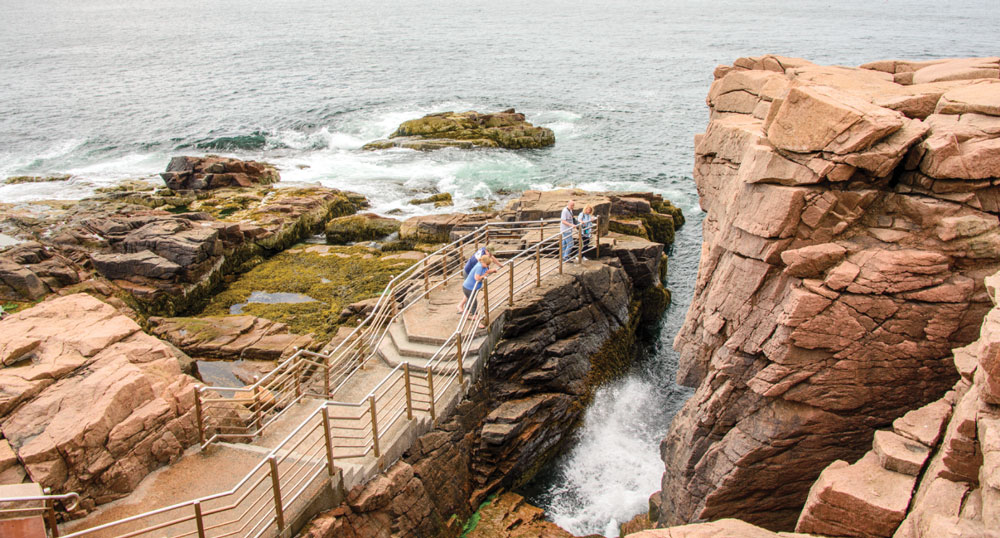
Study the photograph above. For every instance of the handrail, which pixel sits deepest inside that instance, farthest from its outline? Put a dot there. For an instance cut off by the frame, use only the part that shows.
(401, 391)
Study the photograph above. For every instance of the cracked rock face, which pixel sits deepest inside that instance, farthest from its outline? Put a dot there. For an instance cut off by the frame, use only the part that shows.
(851, 220)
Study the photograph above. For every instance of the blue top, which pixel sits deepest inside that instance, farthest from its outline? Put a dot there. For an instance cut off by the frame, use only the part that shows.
(585, 223)
(474, 259)
(470, 281)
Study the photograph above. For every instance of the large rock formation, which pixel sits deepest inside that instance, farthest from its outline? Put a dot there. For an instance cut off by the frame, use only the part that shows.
(507, 129)
(88, 402)
(851, 218)
(167, 258)
(558, 343)
(937, 472)
(200, 173)
(230, 337)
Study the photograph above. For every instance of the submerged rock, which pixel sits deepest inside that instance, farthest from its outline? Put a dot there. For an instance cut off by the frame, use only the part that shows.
(507, 129)
(212, 172)
(852, 214)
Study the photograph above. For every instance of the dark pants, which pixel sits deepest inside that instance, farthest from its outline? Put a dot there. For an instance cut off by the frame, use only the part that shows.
(469, 294)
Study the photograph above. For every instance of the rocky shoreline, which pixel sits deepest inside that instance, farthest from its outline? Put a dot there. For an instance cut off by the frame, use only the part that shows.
(115, 304)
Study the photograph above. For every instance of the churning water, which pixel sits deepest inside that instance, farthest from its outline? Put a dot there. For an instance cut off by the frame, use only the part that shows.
(108, 90)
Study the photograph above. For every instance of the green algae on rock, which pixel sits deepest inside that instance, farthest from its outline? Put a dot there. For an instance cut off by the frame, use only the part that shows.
(360, 227)
(442, 199)
(507, 129)
(15, 180)
(335, 276)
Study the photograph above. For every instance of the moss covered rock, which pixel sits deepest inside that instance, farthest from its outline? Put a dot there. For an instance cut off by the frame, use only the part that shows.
(361, 227)
(334, 276)
(507, 129)
(442, 199)
(14, 180)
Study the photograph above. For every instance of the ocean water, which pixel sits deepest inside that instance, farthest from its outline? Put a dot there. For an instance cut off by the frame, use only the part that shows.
(108, 90)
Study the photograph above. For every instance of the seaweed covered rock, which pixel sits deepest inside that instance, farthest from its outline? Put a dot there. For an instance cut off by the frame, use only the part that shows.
(166, 260)
(507, 129)
(213, 172)
(442, 199)
(360, 227)
(89, 403)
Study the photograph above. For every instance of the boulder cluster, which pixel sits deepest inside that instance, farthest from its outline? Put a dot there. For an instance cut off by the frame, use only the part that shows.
(851, 221)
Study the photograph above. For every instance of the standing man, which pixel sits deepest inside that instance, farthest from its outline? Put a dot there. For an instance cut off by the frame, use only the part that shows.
(566, 224)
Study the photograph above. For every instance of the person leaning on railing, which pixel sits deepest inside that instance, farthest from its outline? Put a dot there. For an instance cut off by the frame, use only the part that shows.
(586, 219)
(473, 260)
(475, 281)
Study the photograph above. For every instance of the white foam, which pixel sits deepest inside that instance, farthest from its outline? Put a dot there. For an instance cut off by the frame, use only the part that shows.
(610, 473)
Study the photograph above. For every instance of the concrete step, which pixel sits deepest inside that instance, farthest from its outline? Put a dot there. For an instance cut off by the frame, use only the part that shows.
(393, 358)
(408, 347)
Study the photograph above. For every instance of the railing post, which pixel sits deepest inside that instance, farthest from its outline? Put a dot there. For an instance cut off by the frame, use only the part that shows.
(597, 243)
(329, 440)
(430, 389)
(486, 300)
(560, 249)
(538, 264)
(50, 515)
(541, 232)
(359, 346)
(198, 414)
(198, 519)
(409, 394)
(326, 376)
(444, 269)
(459, 355)
(258, 412)
(510, 271)
(296, 378)
(279, 512)
(427, 277)
(579, 243)
(371, 407)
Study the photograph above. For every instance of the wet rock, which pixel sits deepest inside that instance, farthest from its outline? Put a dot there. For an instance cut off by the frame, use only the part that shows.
(97, 404)
(442, 199)
(507, 129)
(360, 227)
(199, 173)
(509, 516)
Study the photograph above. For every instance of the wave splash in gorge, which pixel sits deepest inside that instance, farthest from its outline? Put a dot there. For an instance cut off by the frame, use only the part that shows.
(615, 465)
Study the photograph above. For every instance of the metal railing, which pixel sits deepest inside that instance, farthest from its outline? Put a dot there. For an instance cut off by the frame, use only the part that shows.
(306, 458)
(38, 505)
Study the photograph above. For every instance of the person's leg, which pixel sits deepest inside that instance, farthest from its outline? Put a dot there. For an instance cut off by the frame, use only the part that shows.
(465, 299)
(567, 244)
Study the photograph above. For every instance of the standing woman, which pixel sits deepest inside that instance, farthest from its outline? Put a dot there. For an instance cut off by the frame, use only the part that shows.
(475, 281)
(586, 219)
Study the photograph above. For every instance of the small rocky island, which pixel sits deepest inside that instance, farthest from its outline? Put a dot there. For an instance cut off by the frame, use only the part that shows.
(507, 129)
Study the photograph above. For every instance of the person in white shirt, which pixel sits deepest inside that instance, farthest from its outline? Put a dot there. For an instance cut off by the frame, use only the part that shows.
(566, 225)
(586, 219)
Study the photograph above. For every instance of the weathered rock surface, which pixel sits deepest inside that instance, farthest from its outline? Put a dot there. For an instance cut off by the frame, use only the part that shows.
(508, 516)
(894, 491)
(851, 218)
(166, 260)
(360, 227)
(230, 337)
(200, 173)
(88, 402)
(558, 343)
(507, 129)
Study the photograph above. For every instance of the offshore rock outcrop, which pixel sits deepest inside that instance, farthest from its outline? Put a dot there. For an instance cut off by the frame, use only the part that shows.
(507, 129)
(200, 173)
(851, 219)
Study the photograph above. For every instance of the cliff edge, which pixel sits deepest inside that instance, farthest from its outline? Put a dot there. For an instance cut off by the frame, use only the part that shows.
(851, 220)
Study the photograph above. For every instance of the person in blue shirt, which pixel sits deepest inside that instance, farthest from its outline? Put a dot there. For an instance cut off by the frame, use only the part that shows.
(473, 260)
(474, 281)
(586, 219)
